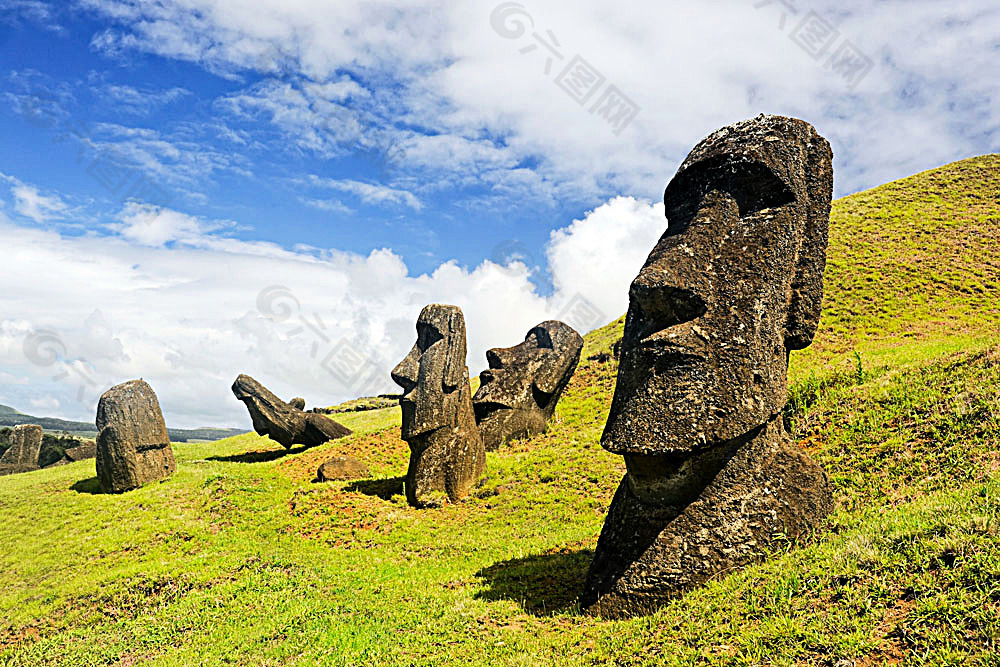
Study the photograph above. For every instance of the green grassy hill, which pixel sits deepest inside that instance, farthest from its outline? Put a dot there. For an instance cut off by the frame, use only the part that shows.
(240, 558)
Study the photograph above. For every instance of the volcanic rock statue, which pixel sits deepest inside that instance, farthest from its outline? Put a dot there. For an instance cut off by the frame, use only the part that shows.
(132, 443)
(732, 286)
(518, 393)
(446, 450)
(284, 422)
(25, 445)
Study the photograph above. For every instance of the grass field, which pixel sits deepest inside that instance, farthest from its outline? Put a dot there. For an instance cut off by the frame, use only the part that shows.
(240, 558)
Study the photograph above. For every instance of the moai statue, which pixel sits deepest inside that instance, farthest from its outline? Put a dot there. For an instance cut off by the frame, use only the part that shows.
(446, 450)
(518, 393)
(732, 286)
(25, 446)
(285, 423)
(133, 447)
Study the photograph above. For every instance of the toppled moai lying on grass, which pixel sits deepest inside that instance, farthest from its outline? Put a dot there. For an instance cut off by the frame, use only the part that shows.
(732, 286)
(285, 423)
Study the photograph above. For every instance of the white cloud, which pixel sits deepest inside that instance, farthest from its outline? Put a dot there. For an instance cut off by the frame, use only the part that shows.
(601, 254)
(31, 203)
(169, 298)
(691, 66)
(331, 205)
(47, 403)
(155, 227)
(369, 193)
(132, 100)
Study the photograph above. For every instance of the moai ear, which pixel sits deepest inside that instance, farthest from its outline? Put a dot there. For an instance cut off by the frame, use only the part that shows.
(454, 365)
(806, 299)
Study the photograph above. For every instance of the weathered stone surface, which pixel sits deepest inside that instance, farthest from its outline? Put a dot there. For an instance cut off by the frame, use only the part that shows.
(282, 422)
(518, 393)
(732, 286)
(298, 403)
(87, 450)
(132, 443)
(25, 444)
(341, 467)
(446, 451)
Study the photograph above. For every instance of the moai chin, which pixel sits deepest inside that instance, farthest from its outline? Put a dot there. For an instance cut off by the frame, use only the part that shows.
(519, 391)
(446, 450)
(732, 286)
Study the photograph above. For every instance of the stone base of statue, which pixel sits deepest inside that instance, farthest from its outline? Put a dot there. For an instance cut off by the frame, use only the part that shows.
(446, 462)
(676, 523)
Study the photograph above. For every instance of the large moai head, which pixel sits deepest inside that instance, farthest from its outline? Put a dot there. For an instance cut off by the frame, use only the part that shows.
(731, 287)
(434, 370)
(518, 393)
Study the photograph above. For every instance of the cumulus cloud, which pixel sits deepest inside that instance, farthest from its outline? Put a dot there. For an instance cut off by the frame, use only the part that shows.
(478, 88)
(170, 298)
(31, 203)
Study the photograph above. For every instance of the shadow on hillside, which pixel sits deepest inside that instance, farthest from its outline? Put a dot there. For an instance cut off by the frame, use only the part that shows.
(89, 485)
(383, 488)
(543, 584)
(259, 456)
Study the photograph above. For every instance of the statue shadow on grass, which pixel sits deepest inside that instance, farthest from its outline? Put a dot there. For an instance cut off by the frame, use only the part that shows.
(543, 584)
(258, 456)
(383, 488)
(90, 485)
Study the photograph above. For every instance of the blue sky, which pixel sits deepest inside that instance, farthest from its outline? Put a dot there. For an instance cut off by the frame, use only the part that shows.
(209, 144)
(185, 187)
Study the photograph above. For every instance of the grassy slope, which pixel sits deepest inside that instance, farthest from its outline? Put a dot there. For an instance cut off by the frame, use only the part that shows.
(240, 558)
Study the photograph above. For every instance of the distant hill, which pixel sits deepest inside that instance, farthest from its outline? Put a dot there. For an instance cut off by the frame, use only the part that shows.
(11, 417)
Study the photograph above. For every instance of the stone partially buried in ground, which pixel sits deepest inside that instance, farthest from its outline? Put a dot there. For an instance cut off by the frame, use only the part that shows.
(25, 445)
(519, 391)
(282, 422)
(340, 468)
(133, 448)
(87, 450)
(732, 286)
(447, 455)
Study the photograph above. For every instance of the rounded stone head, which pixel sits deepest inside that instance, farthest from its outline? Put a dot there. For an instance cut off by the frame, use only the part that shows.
(519, 391)
(433, 371)
(732, 286)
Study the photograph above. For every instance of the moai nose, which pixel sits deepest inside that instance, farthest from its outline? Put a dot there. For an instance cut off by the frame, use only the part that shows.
(499, 357)
(665, 305)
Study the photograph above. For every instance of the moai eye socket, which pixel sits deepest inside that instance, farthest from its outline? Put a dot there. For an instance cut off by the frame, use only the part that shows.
(753, 185)
(427, 335)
